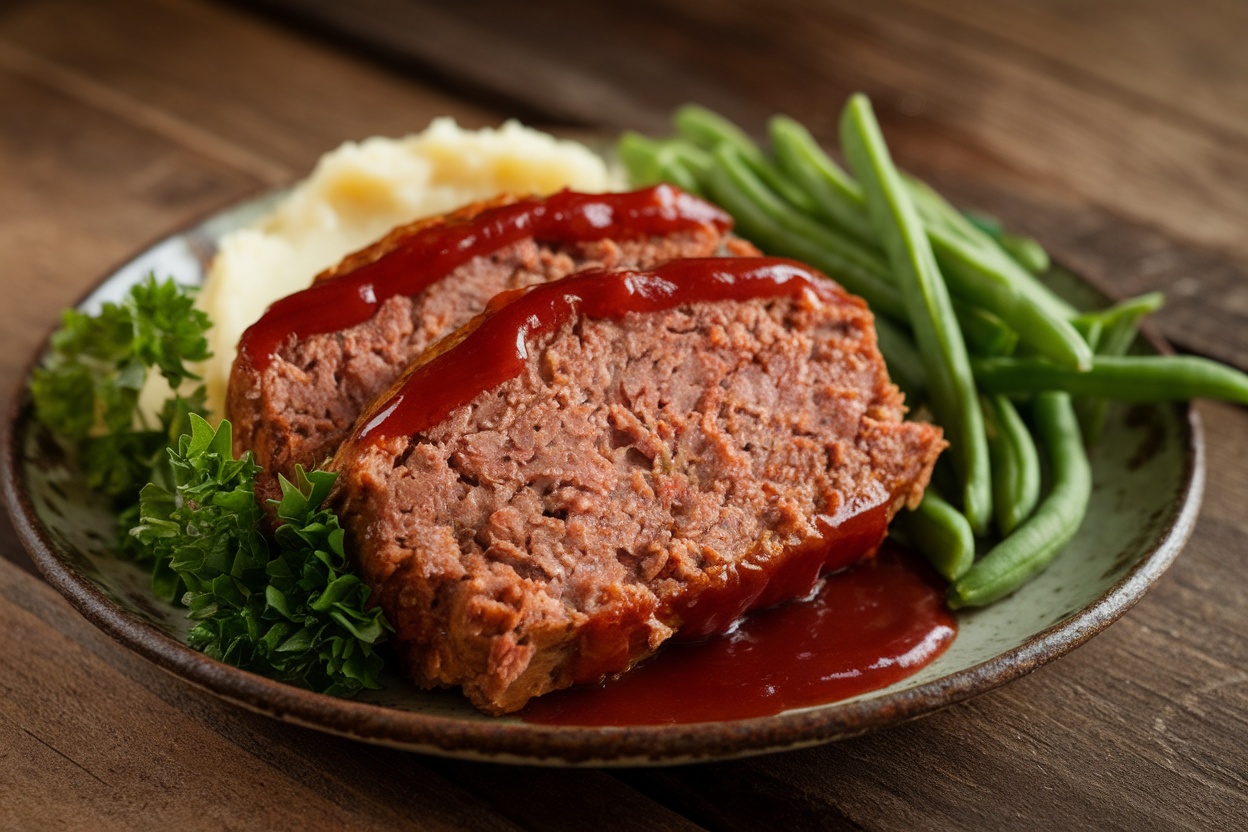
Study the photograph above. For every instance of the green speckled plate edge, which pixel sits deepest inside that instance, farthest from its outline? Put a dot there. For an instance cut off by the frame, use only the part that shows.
(1147, 494)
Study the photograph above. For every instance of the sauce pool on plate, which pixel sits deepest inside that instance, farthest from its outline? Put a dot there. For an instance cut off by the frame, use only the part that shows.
(866, 628)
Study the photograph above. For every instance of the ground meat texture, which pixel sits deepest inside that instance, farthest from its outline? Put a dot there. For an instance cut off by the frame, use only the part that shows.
(298, 408)
(567, 522)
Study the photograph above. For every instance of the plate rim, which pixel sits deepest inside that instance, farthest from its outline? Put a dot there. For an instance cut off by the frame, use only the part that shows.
(519, 742)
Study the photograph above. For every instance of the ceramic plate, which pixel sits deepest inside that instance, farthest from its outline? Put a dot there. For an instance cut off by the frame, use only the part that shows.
(1148, 473)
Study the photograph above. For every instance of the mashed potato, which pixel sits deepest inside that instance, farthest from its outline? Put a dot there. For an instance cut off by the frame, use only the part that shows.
(359, 192)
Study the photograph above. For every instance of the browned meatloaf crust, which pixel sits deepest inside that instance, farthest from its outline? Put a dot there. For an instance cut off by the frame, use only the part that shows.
(564, 524)
(299, 407)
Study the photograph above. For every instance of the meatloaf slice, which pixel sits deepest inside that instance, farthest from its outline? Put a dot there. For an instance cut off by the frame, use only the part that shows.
(600, 463)
(309, 366)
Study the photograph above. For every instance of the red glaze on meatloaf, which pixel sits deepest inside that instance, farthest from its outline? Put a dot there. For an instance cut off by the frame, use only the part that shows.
(598, 464)
(308, 367)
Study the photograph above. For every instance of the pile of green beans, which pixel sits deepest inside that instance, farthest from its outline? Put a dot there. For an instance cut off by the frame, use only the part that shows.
(965, 325)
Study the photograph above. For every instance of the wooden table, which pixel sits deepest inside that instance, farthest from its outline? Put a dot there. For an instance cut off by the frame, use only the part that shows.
(1117, 132)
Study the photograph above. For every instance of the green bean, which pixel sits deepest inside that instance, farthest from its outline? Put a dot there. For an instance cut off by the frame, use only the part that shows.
(1121, 322)
(984, 278)
(837, 197)
(941, 534)
(985, 333)
(1033, 546)
(982, 329)
(1015, 464)
(1118, 328)
(1025, 251)
(1090, 411)
(778, 229)
(988, 256)
(694, 158)
(988, 224)
(678, 173)
(640, 156)
(975, 269)
(648, 161)
(709, 130)
(866, 259)
(788, 190)
(905, 367)
(1090, 329)
(1154, 378)
(928, 306)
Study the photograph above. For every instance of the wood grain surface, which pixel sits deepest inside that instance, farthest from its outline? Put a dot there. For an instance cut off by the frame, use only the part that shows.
(1116, 132)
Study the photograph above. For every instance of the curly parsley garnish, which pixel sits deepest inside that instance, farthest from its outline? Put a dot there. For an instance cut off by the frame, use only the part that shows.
(286, 607)
(87, 390)
(289, 609)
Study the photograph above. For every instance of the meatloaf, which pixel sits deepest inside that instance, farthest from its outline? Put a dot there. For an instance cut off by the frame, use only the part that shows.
(598, 464)
(307, 368)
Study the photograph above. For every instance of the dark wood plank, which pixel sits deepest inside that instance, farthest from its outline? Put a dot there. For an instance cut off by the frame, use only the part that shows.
(1187, 58)
(83, 191)
(250, 89)
(563, 799)
(575, 65)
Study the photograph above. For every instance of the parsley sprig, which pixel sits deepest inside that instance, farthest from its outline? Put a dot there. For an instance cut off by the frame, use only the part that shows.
(87, 390)
(286, 607)
(290, 609)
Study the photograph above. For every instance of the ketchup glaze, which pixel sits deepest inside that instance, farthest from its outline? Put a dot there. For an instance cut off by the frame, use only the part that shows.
(762, 578)
(852, 535)
(867, 628)
(435, 251)
(496, 350)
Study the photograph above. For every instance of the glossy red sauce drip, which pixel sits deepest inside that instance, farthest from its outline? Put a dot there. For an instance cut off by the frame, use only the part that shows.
(433, 253)
(867, 628)
(497, 349)
(854, 534)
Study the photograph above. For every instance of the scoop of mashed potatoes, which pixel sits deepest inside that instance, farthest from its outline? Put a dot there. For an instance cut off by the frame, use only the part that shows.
(359, 192)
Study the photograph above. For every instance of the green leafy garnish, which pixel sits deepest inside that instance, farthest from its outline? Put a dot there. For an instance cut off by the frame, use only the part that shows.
(289, 609)
(87, 390)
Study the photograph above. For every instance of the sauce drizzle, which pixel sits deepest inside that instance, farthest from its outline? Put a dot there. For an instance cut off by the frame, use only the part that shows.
(435, 251)
(496, 350)
(851, 536)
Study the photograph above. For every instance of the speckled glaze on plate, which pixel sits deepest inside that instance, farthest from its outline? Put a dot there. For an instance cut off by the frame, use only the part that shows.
(1148, 476)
